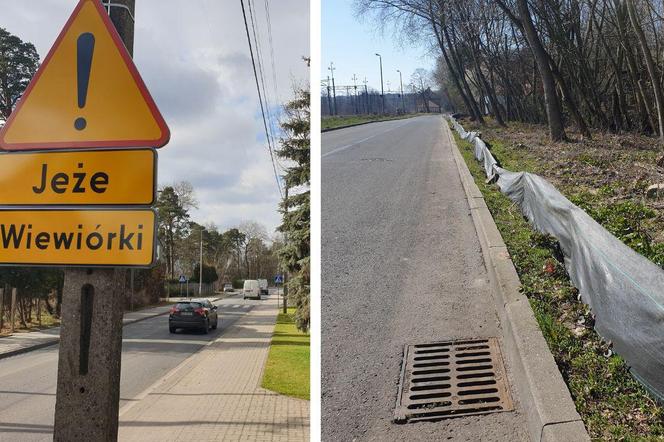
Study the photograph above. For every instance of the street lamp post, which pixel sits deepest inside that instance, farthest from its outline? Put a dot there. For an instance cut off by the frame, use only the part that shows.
(403, 103)
(382, 91)
(200, 270)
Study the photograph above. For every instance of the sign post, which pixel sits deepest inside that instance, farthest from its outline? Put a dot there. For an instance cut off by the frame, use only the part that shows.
(183, 280)
(278, 280)
(65, 204)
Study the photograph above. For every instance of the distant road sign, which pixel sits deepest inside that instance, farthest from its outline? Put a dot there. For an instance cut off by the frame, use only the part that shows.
(76, 178)
(87, 93)
(279, 279)
(90, 237)
(182, 279)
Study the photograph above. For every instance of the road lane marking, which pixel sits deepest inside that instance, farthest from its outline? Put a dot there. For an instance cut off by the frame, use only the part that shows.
(339, 149)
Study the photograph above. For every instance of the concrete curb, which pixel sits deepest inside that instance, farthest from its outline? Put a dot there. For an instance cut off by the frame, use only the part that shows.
(545, 399)
(19, 351)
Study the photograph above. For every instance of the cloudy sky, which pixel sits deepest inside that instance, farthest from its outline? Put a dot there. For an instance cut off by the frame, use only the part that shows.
(194, 59)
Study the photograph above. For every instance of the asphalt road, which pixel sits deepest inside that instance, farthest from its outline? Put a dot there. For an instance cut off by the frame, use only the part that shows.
(149, 351)
(401, 264)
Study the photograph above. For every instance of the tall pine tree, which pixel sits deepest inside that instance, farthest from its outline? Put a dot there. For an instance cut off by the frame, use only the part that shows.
(294, 256)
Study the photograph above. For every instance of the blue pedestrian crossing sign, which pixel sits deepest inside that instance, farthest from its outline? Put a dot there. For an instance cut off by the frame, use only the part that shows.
(279, 279)
(182, 279)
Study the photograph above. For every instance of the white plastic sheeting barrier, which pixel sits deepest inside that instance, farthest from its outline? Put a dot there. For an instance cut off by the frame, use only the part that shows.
(624, 289)
(482, 153)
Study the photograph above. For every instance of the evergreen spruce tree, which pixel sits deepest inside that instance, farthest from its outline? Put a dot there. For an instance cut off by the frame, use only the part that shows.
(294, 255)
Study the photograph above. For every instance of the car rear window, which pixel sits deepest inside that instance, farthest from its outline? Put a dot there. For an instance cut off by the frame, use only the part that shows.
(187, 305)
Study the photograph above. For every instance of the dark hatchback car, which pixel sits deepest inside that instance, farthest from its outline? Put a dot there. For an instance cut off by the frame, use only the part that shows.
(198, 314)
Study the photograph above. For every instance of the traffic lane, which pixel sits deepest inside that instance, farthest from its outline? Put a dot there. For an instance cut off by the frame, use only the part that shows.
(401, 264)
(149, 351)
(27, 395)
(374, 205)
(166, 350)
(339, 140)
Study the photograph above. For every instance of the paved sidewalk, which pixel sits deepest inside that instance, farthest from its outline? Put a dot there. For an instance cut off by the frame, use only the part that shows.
(216, 394)
(22, 342)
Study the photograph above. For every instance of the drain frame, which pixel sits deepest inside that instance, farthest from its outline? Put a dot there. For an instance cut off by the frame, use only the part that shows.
(452, 378)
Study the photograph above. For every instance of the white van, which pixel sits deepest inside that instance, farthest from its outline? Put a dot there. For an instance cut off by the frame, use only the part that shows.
(251, 289)
(262, 283)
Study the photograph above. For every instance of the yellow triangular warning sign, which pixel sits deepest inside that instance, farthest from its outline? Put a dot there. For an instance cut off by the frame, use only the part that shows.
(86, 94)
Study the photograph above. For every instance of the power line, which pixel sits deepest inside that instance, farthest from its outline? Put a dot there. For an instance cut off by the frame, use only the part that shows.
(275, 83)
(269, 32)
(259, 58)
(260, 99)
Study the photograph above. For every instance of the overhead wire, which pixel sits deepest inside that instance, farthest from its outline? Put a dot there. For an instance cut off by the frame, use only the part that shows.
(269, 33)
(260, 98)
(261, 71)
(275, 83)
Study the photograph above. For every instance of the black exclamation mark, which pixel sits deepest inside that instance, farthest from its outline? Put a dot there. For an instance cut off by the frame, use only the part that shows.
(85, 47)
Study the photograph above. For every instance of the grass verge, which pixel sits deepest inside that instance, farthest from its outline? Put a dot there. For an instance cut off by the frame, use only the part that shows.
(347, 120)
(611, 403)
(287, 368)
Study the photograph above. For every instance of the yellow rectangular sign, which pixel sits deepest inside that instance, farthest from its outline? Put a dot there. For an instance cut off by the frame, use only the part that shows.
(78, 237)
(110, 177)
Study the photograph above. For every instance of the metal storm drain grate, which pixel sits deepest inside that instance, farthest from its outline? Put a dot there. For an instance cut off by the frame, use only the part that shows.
(441, 380)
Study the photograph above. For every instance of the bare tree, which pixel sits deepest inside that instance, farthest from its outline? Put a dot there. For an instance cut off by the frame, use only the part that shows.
(592, 64)
(186, 194)
(650, 64)
(422, 82)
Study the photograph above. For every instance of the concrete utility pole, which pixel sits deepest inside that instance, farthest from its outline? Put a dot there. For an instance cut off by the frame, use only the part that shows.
(329, 98)
(403, 103)
(389, 92)
(382, 91)
(367, 110)
(88, 388)
(356, 108)
(413, 90)
(122, 16)
(334, 91)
